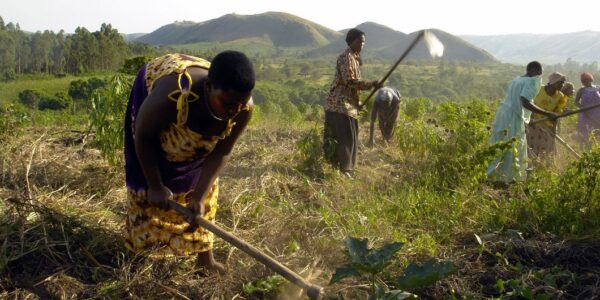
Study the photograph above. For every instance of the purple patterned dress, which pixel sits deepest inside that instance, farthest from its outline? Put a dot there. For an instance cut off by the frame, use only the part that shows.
(589, 121)
(182, 153)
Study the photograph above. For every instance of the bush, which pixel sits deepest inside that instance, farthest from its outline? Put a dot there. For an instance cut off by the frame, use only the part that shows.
(107, 117)
(12, 118)
(82, 89)
(58, 102)
(453, 140)
(30, 98)
(310, 152)
(133, 65)
(570, 202)
(78, 89)
(9, 75)
(417, 107)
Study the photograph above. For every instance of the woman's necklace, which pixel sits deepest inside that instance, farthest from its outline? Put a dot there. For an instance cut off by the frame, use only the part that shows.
(206, 100)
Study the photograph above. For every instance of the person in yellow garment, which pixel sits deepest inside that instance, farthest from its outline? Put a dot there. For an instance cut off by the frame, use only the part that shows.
(541, 136)
(183, 118)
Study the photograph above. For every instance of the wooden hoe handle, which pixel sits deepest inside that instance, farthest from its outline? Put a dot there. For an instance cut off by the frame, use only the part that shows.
(312, 291)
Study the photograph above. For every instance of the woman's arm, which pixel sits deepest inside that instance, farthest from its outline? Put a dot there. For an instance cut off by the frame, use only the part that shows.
(578, 97)
(536, 109)
(217, 159)
(155, 115)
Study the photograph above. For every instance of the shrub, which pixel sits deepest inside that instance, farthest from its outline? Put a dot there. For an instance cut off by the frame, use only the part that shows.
(9, 75)
(11, 120)
(133, 65)
(107, 117)
(82, 89)
(58, 102)
(30, 98)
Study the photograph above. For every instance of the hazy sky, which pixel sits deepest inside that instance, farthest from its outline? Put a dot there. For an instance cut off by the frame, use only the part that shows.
(478, 17)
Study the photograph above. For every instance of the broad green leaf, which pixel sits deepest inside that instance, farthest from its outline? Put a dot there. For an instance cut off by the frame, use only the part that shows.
(343, 272)
(419, 276)
(357, 249)
(369, 260)
(378, 259)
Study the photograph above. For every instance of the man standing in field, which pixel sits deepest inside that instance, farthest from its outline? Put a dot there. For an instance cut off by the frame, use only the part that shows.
(342, 105)
(509, 124)
(385, 108)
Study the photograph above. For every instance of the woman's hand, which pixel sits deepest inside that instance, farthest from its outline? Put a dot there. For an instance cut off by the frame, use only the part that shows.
(197, 206)
(375, 84)
(159, 196)
(552, 116)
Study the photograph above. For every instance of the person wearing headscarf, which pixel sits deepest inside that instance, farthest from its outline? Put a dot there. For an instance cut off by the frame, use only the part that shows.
(589, 121)
(509, 125)
(385, 108)
(541, 136)
(342, 105)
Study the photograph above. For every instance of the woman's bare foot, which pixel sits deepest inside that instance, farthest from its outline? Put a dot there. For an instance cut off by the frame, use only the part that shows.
(207, 262)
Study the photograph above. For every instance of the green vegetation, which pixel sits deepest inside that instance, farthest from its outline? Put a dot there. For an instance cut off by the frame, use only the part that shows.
(59, 54)
(370, 263)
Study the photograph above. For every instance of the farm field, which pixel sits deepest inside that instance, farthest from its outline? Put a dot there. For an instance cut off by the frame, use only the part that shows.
(63, 211)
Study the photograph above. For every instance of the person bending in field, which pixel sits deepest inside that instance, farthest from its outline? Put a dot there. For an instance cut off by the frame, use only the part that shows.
(183, 118)
(385, 108)
(509, 124)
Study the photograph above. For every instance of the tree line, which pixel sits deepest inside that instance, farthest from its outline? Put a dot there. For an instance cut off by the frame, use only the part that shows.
(60, 53)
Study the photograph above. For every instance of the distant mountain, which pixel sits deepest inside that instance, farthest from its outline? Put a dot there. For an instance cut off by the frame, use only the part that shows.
(581, 46)
(384, 42)
(286, 30)
(280, 29)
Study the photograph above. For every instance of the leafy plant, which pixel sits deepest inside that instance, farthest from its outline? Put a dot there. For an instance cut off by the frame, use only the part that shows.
(263, 286)
(310, 148)
(107, 117)
(370, 263)
(11, 120)
(30, 98)
(58, 102)
(431, 271)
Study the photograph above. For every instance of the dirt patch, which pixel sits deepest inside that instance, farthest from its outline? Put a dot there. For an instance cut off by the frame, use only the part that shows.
(538, 266)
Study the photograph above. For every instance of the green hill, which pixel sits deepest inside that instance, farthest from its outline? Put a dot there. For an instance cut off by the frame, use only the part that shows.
(286, 30)
(385, 43)
(281, 29)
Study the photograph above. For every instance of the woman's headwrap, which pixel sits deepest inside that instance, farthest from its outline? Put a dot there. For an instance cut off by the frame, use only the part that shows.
(556, 77)
(585, 76)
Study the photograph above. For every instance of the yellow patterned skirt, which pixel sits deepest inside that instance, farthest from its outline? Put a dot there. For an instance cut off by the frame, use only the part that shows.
(160, 233)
